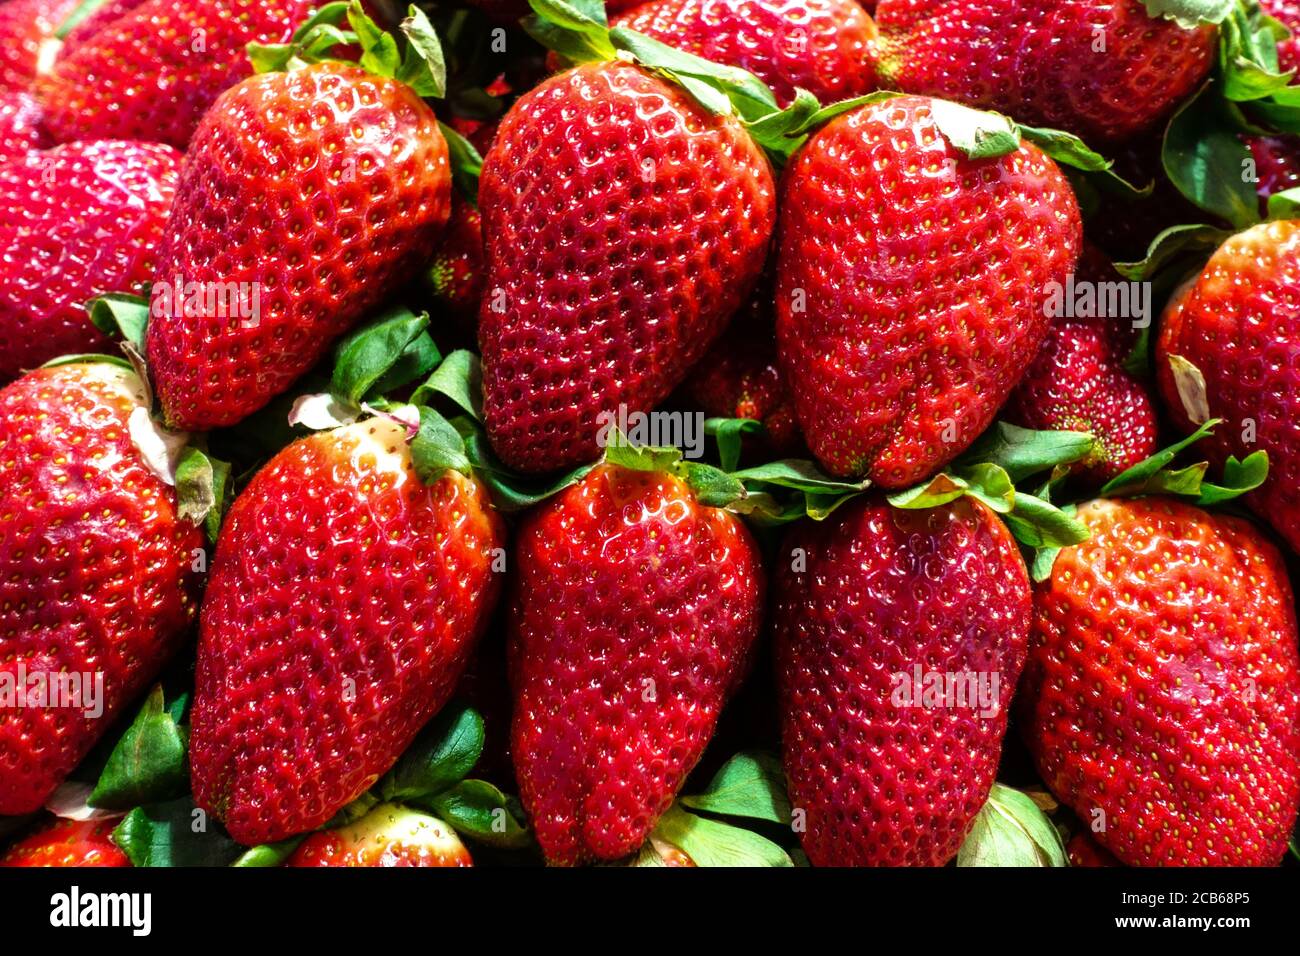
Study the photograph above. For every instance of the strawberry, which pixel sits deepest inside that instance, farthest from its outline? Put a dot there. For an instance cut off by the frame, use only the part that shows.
(1161, 700)
(863, 602)
(1104, 69)
(907, 310)
(1078, 383)
(1085, 851)
(1288, 50)
(319, 212)
(153, 71)
(827, 47)
(97, 577)
(67, 843)
(344, 601)
(609, 272)
(1230, 349)
(457, 272)
(389, 835)
(76, 221)
(1277, 164)
(27, 41)
(632, 618)
(99, 18)
(20, 125)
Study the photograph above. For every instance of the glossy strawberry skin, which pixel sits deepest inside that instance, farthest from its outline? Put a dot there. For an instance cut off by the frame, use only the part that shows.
(826, 47)
(96, 569)
(1232, 327)
(1277, 165)
(322, 189)
(860, 600)
(387, 836)
(67, 843)
(633, 615)
(1078, 382)
(20, 125)
(1163, 686)
(911, 285)
(76, 220)
(1102, 69)
(343, 604)
(153, 72)
(25, 25)
(610, 272)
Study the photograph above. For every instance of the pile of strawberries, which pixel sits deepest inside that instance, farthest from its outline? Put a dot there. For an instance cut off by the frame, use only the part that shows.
(686, 432)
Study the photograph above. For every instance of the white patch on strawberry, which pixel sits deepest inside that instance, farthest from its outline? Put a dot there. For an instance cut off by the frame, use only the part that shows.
(408, 416)
(69, 801)
(320, 411)
(159, 447)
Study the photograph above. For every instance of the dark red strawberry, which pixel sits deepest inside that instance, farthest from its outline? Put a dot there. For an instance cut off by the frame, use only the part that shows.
(97, 572)
(1288, 50)
(872, 606)
(313, 194)
(827, 47)
(1277, 164)
(1085, 851)
(458, 272)
(633, 615)
(76, 221)
(67, 843)
(153, 71)
(27, 44)
(610, 272)
(1103, 69)
(20, 125)
(343, 604)
(389, 835)
(1233, 349)
(1078, 381)
(911, 286)
(1161, 700)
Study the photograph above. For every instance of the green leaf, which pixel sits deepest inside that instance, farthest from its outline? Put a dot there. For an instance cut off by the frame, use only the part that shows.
(729, 434)
(459, 378)
(121, 315)
(1040, 569)
(466, 163)
(148, 763)
(201, 489)
(979, 134)
(575, 29)
(1195, 239)
(1010, 830)
(269, 854)
(1136, 480)
(477, 809)
(750, 784)
(1040, 524)
(713, 843)
(1022, 452)
(1239, 477)
(174, 833)
(1284, 204)
(1069, 150)
(313, 40)
(437, 447)
(1190, 13)
(443, 754)
(1248, 53)
(1206, 160)
(363, 358)
(423, 68)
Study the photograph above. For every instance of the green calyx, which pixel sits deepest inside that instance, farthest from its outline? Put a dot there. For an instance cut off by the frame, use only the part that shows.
(1190, 14)
(1012, 830)
(1156, 475)
(413, 56)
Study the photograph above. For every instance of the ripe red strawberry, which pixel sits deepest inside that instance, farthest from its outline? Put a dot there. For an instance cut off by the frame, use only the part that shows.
(1078, 383)
(610, 272)
(866, 602)
(344, 601)
(827, 47)
(27, 38)
(20, 125)
(911, 285)
(1103, 69)
(67, 843)
(96, 573)
(458, 271)
(1234, 328)
(1162, 694)
(319, 190)
(76, 221)
(633, 615)
(389, 835)
(1288, 50)
(1085, 851)
(153, 71)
